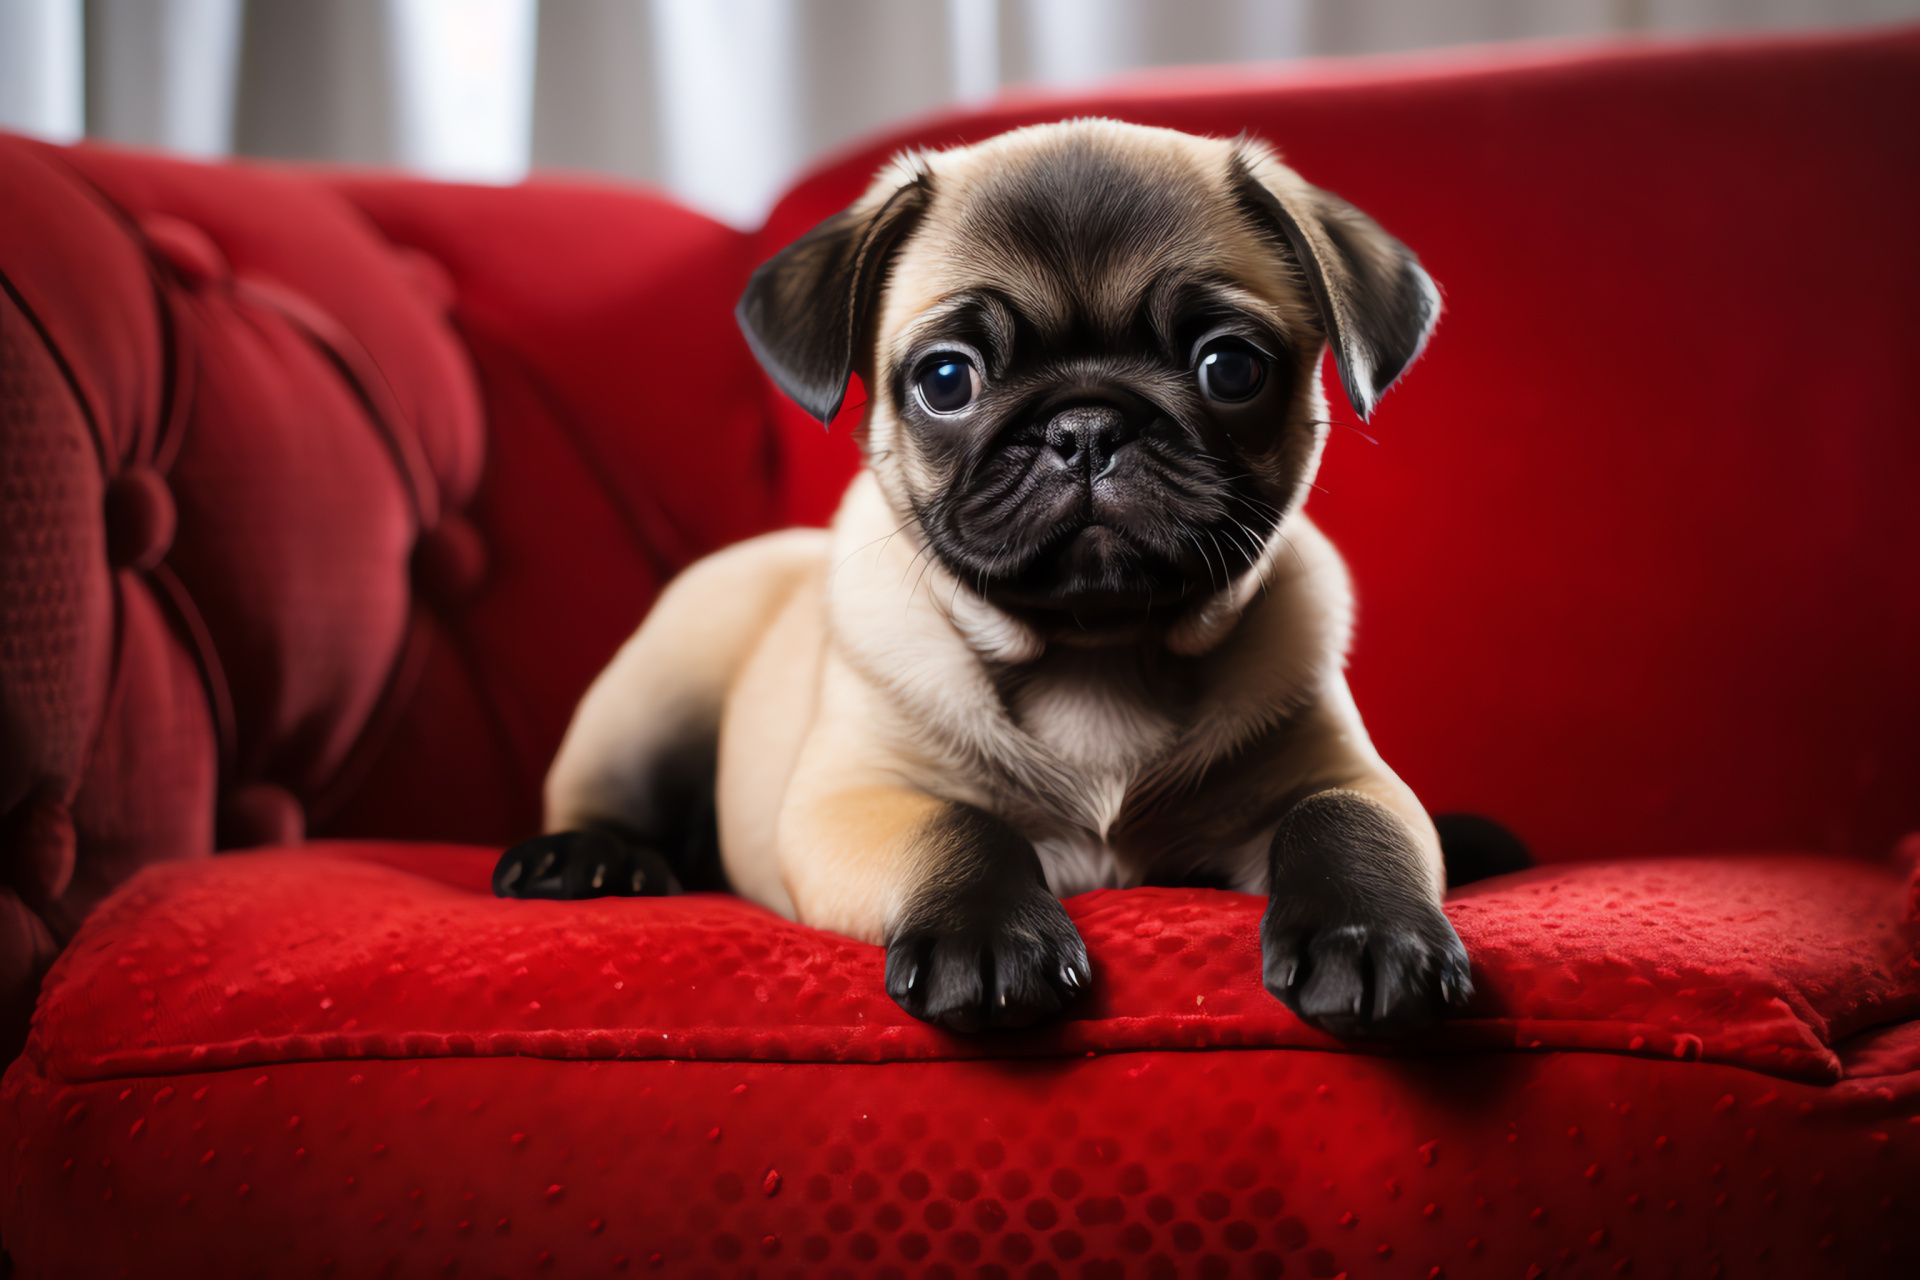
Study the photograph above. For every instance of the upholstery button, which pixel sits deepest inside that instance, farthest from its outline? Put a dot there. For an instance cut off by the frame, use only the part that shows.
(140, 518)
(261, 814)
(190, 251)
(449, 562)
(429, 275)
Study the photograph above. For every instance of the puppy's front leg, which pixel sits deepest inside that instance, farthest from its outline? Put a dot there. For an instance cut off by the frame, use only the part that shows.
(1354, 939)
(974, 938)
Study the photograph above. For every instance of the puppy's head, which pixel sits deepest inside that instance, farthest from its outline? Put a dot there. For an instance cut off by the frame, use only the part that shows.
(1092, 352)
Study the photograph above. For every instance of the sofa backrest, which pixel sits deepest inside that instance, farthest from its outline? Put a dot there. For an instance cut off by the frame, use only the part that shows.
(1637, 540)
(306, 530)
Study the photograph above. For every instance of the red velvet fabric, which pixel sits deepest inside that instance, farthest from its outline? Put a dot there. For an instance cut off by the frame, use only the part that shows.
(627, 437)
(385, 951)
(1254, 1163)
(327, 493)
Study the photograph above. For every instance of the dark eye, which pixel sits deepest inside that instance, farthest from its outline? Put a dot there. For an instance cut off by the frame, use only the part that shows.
(1231, 373)
(948, 383)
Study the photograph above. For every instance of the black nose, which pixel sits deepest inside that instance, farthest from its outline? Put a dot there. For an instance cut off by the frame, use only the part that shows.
(1087, 436)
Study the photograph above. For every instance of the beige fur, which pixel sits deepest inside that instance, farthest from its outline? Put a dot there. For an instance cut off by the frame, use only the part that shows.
(863, 684)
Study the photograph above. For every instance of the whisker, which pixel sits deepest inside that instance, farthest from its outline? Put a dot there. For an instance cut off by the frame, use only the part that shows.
(885, 538)
(1205, 561)
(1335, 422)
(926, 549)
(1258, 565)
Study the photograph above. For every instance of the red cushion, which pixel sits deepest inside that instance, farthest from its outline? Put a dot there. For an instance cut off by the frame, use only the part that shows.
(1157, 1164)
(260, 1109)
(335, 952)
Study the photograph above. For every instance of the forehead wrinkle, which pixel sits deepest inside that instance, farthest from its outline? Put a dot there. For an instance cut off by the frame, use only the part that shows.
(1017, 298)
(1110, 305)
(1097, 224)
(968, 307)
(1225, 295)
(1175, 296)
(1013, 216)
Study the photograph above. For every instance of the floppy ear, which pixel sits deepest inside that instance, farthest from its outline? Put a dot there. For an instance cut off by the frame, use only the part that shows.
(1375, 302)
(805, 308)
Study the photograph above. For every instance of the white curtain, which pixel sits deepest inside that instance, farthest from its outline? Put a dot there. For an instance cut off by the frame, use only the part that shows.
(41, 85)
(722, 102)
(464, 98)
(161, 73)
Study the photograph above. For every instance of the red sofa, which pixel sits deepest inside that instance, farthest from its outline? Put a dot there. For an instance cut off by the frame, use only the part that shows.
(325, 494)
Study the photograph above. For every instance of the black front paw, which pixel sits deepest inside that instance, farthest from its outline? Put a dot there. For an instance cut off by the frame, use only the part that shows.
(1353, 940)
(983, 944)
(582, 864)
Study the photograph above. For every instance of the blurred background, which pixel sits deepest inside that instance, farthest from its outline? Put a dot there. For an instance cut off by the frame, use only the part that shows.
(721, 102)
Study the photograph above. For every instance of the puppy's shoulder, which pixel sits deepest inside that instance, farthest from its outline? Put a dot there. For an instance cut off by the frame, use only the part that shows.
(711, 613)
(771, 558)
(719, 602)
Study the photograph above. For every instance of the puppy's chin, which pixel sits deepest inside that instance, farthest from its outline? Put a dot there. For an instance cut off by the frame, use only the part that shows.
(1093, 584)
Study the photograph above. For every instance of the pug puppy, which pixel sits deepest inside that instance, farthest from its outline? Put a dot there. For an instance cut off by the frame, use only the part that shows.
(1071, 627)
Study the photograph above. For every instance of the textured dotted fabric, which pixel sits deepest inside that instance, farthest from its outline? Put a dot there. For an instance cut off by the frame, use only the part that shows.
(335, 951)
(1244, 1163)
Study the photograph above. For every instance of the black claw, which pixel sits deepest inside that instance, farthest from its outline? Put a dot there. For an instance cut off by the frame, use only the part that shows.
(999, 973)
(581, 864)
(984, 945)
(1352, 940)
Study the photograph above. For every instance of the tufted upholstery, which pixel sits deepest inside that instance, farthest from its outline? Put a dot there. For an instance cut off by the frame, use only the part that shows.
(323, 494)
(288, 551)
